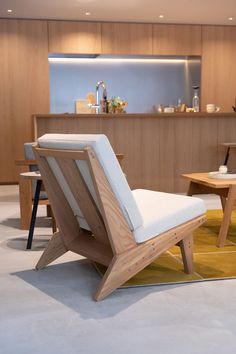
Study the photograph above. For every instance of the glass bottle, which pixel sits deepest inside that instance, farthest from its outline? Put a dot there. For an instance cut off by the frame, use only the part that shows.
(196, 103)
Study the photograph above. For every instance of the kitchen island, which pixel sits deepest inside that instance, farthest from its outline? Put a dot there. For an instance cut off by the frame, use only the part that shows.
(158, 148)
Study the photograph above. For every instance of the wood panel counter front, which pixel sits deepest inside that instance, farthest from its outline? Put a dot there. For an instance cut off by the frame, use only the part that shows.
(158, 148)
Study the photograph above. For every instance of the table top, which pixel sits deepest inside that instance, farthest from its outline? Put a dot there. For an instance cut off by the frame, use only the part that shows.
(202, 178)
(228, 144)
(31, 175)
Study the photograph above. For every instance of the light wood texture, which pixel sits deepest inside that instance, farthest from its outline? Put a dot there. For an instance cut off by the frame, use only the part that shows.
(218, 66)
(200, 183)
(55, 249)
(26, 199)
(176, 39)
(126, 38)
(186, 246)
(74, 37)
(174, 143)
(24, 87)
(110, 242)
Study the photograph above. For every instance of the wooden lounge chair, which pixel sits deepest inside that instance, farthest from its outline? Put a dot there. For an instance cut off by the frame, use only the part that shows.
(99, 217)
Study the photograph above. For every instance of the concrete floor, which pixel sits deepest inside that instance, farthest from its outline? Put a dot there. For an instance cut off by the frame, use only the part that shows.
(51, 311)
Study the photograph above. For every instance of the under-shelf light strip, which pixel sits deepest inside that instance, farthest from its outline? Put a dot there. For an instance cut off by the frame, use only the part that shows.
(115, 60)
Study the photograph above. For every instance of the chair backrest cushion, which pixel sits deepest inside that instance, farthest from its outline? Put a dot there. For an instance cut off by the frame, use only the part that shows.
(110, 165)
(29, 155)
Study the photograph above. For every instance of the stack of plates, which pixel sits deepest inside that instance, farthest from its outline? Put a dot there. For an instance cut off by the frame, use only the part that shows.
(218, 175)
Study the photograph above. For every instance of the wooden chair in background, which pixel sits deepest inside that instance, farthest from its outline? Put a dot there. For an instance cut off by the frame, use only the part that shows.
(27, 188)
(100, 218)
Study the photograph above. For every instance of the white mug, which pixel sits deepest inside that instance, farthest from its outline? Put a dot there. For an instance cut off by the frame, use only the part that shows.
(212, 108)
(169, 110)
(223, 169)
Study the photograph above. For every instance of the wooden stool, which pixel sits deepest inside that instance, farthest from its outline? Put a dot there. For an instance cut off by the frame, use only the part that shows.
(229, 146)
(37, 177)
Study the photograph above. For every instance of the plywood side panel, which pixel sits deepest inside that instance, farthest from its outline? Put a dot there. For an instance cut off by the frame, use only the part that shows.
(167, 154)
(184, 159)
(150, 153)
(204, 142)
(74, 37)
(176, 39)
(126, 38)
(218, 66)
(24, 87)
(227, 134)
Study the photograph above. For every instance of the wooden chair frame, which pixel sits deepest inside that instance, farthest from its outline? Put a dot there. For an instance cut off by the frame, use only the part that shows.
(110, 241)
(26, 195)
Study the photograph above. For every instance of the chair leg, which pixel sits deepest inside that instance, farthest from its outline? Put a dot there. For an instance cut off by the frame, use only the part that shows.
(33, 217)
(25, 196)
(111, 280)
(186, 246)
(54, 250)
(223, 201)
(49, 211)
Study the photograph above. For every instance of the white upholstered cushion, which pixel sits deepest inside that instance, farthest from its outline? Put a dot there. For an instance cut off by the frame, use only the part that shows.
(109, 163)
(162, 211)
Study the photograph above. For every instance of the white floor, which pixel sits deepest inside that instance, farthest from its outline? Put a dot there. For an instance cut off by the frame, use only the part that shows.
(51, 311)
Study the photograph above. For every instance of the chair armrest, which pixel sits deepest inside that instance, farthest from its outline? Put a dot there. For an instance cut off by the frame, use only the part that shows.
(25, 162)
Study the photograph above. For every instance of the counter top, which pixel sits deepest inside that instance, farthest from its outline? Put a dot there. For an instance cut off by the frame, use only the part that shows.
(138, 115)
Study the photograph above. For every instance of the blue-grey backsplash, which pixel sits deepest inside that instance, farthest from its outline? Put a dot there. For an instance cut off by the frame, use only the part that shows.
(144, 84)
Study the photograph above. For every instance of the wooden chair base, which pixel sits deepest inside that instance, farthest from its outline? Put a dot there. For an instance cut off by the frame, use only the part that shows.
(124, 266)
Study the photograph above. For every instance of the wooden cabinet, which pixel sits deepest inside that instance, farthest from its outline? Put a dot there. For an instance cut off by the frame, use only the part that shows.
(74, 37)
(218, 66)
(126, 38)
(176, 39)
(24, 87)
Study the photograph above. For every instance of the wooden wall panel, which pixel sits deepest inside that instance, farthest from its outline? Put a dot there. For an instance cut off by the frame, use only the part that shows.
(24, 87)
(150, 153)
(205, 142)
(176, 39)
(74, 37)
(167, 153)
(184, 159)
(218, 66)
(227, 134)
(127, 138)
(126, 38)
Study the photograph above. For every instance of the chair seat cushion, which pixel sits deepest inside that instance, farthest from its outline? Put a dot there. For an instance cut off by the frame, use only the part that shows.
(163, 211)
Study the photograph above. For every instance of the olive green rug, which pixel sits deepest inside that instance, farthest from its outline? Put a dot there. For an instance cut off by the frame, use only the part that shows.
(210, 262)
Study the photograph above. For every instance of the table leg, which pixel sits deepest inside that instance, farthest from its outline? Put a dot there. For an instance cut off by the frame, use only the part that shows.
(229, 205)
(192, 188)
(223, 201)
(33, 216)
(25, 194)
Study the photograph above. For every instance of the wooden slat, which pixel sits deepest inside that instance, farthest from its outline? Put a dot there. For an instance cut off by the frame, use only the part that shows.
(70, 154)
(63, 213)
(83, 198)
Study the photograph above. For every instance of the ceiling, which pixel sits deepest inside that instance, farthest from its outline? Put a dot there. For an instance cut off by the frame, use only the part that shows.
(174, 11)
